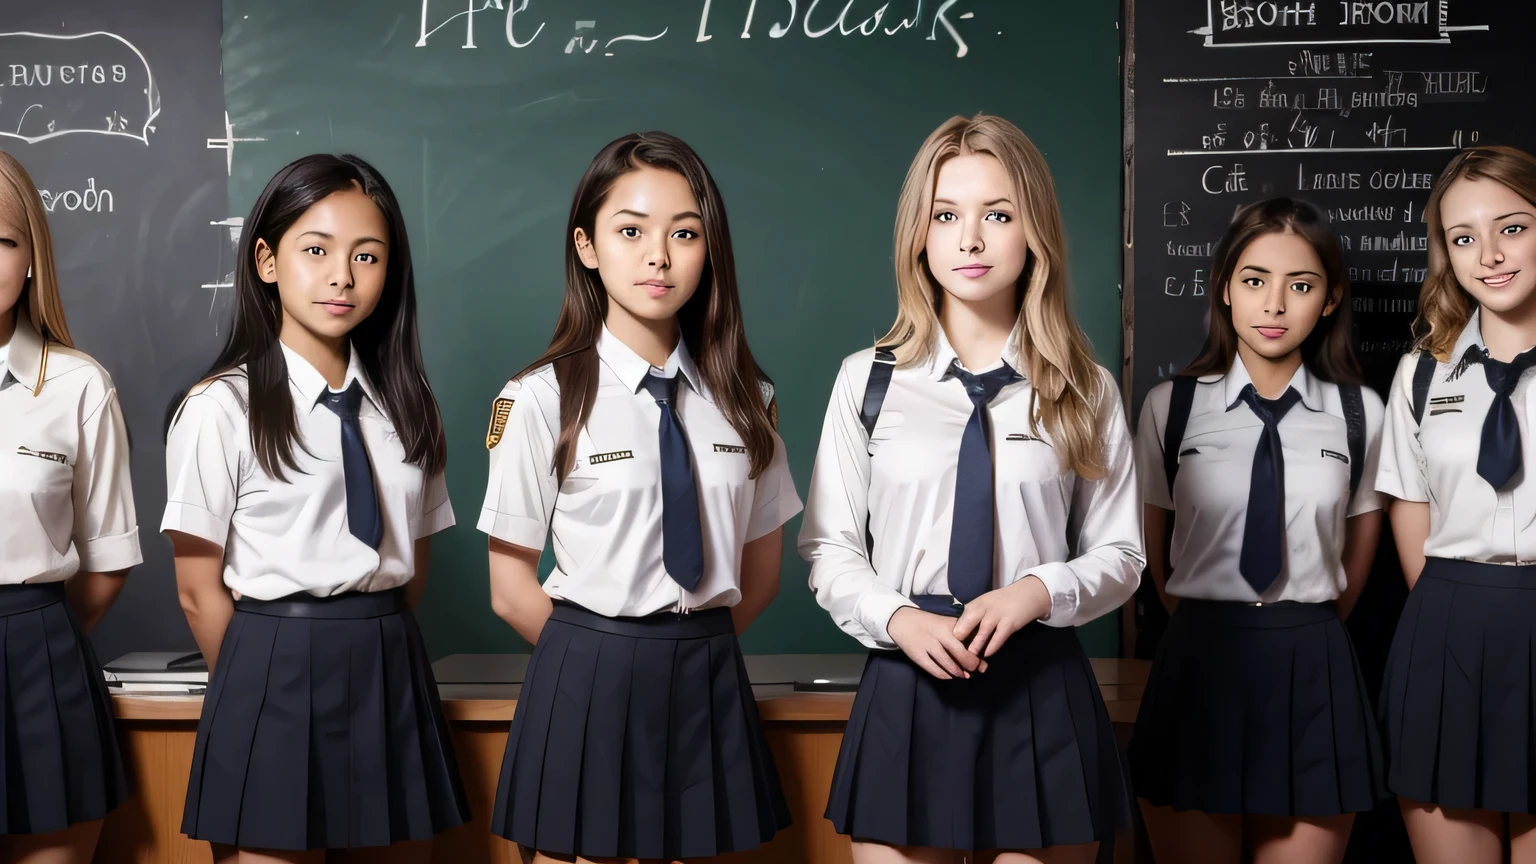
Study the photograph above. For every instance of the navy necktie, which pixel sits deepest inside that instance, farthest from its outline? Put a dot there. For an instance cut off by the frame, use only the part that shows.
(971, 537)
(1498, 454)
(682, 543)
(363, 517)
(1264, 529)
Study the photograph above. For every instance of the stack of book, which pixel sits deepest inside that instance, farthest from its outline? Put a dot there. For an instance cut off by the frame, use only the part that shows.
(158, 673)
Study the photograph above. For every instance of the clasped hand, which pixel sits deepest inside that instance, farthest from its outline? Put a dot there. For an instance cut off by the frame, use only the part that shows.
(948, 648)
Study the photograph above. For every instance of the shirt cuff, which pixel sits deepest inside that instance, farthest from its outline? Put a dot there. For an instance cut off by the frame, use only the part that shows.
(875, 610)
(1392, 484)
(517, 530)
(110, 554)
(1062, 584)
(194, 520)
(440, 518)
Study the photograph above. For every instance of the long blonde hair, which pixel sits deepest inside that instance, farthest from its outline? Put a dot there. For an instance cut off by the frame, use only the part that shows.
(1444, 306)
(1057, 357)
(21, 206)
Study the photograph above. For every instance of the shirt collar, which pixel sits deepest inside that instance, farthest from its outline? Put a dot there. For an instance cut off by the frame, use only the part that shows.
(944, 354)
(312, 385)
(1237, 377)
(631, 368)
(1471, 335)
(27, 353)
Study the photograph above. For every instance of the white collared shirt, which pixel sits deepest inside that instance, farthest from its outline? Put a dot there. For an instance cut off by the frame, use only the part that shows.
(1436, 460)
(1081, 538)
(287, 536)
(605, 518)
(66, 498)
(1210, 494)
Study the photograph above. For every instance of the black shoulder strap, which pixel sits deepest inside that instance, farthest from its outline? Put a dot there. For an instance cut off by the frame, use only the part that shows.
(1354, 424)
(1423, 374)
(1173, 432)
(874, 390)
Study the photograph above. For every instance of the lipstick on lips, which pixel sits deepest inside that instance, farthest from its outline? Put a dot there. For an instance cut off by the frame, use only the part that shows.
(973, 271)
(1499, 280)
(655, 287)
(1271, 332)
(335, 307)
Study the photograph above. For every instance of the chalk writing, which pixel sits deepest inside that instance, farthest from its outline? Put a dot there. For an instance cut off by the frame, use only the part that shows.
(852, 19)
(88, 83)
(88, 200)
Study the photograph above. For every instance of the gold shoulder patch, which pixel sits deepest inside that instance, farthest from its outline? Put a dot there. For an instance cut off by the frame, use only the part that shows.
(500, 410)
(773, 412)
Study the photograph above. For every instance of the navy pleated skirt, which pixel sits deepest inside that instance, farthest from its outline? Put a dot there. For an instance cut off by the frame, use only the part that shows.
(1458, 699)
(1019, 757)
(1257, 710)
(637, 738)
(322, 729)
(60, 757)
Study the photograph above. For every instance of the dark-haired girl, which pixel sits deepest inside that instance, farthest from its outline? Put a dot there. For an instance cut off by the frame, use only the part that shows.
(643, 442)
(1255, 731)
(304, 482)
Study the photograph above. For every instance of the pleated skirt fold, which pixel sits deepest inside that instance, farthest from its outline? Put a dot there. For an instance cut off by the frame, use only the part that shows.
(322, 728)
(638, 738)
(1020, 757)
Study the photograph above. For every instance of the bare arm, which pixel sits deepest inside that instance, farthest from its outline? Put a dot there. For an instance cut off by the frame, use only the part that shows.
(516, 596)
(90, 595)
(1158, 530)
(418, 584)
(1410, 528)
(200, 587)
(760, 560)
(1361, 534)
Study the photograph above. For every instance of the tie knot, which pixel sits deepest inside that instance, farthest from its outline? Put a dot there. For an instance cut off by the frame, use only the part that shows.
(984, 388)
(663, 390)
(1271, 411)
(347, 402)
(1502, 377)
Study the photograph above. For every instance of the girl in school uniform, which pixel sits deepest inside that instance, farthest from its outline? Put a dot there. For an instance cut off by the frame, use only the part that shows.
(642, 442)
(304, 482)
(1459, 461)
(1255, 731)
(69, 536)
(974, 498)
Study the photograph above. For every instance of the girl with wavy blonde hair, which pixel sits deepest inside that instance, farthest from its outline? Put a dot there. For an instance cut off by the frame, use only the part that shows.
(974, 498)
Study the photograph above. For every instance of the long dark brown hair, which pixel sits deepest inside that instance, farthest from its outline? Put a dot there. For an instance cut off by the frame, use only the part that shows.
(1328, 350)
(386, 340)
(709, 322)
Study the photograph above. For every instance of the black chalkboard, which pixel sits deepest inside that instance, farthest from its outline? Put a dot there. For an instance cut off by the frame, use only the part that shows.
(1354, 106)
(111, 107)
(484, 114)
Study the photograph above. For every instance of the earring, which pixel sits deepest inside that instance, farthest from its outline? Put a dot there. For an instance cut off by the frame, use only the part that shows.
(29, 271)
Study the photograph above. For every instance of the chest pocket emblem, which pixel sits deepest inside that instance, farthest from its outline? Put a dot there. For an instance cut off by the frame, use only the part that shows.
(1020, 436)
(43, 454)
(1441, 405)
(730, 448)
(600, 458)
(1339, 456)
(501, 409)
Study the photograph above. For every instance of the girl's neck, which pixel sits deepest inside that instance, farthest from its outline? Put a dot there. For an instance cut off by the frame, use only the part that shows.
(653, 340)
(979, 331)
(330, 357)
(7, 325)
(1508, 334)
(1269, 377)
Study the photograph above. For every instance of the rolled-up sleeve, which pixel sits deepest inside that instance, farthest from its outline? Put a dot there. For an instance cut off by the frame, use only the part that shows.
(202, 467)
(521, 487)
(106, 531)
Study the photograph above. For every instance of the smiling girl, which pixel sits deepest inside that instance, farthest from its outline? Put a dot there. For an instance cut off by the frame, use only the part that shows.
(974, 499)
(1457, 460)
(1255, 730)
(304, 482)
(642, 442)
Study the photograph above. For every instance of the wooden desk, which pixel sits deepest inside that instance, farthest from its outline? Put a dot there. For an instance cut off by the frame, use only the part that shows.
(804, 730)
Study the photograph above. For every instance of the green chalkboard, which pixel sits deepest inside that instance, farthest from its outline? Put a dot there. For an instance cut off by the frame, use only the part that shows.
(483, 114)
